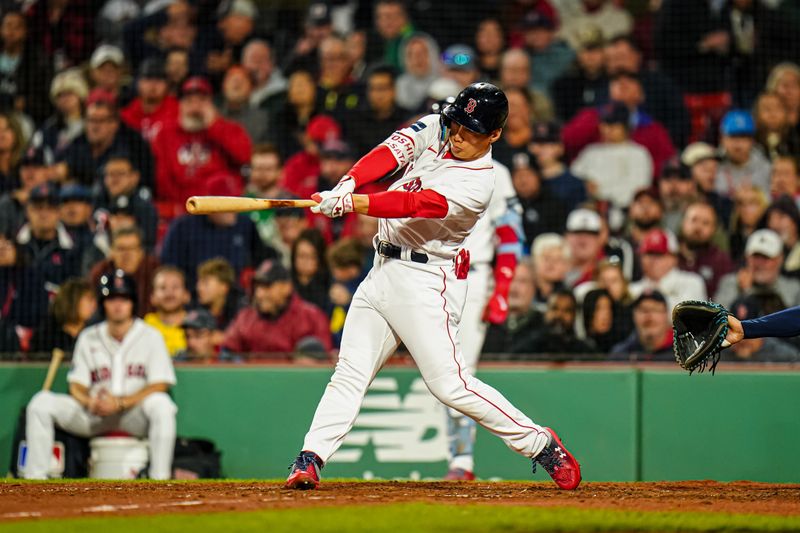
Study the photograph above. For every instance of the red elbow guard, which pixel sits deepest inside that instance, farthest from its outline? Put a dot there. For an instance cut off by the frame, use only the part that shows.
(376, 164)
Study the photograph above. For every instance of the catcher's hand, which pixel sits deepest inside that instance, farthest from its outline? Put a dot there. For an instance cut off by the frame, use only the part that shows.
(700, 329)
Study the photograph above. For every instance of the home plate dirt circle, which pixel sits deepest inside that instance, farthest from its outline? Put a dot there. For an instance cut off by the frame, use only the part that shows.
(26, 501)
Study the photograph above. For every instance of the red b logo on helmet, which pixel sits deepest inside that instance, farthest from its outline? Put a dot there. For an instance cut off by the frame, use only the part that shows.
(471, 104)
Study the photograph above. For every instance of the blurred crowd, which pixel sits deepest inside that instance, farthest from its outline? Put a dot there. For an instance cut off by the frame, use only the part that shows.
(653, 145)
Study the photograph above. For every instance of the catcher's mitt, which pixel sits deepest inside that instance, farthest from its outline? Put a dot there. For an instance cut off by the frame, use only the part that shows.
(700, 329)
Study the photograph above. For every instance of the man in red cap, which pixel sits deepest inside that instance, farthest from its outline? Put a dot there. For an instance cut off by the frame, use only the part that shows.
(199, 146)
(658, 253)
(301, 172)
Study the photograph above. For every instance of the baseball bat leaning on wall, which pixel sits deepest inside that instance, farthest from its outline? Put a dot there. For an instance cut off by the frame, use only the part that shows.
(55, 362)
(203, 205)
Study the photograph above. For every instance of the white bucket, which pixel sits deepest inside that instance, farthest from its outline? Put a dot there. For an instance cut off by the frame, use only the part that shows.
(117, 457)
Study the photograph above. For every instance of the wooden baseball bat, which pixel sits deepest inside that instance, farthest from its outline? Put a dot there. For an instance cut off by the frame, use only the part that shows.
(55, 362)
(203, 205)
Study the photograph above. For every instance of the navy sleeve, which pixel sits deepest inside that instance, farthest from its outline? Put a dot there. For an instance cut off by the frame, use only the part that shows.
(784, 323)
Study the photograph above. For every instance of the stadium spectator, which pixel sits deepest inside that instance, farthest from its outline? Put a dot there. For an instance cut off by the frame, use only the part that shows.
(604, 14)
(278, 319)
(153, 106)
(106, 69)
(518, 131)
(218, 293)
(609, 277)
(742, 163)
(192, 239)
(289, 122)
(169, 300)
(339, 94)
(702, 161)
(68, 92)
(751, 203)
(760, 350)
(658, 253)
(550, 57)
(556, 336)
(774, 134)
(542, 210)
(652, 337)
(785, 179)
(761, 272)
(310, 274)
(514, 335)
(550, 258)
(24, 72)
(74, 305)
(290, 224)
(237, 87)
(128, 254)
(346, 263)
(515, 73)
(548, 149)
(20, 292)
(645, 213)
(662, 98)
(122, 189)
(12, 146)
(616, 167)
(392, 25)
(783, 217)
(784, 80)
(602, 326)
(301, 170)
(585, 245)
(198, 328)
(586, 83)
(357, 52)
(66, 31)
(698, 252)
(197, 149)
(32, 172)
(490, 41)
(459, 63)
(369, 126)
(75, 212)
(105, 136)
(677, 190)
(624, 88)
(263, 181)
(45, 242)
(317, 27)
(692, 41)
(235, 25)
(176, 67)
(269, 84)
(515, 11)
(167, 28)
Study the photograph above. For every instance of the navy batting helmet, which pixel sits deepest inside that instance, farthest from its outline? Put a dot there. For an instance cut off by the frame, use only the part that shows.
(117, 283)
(481, 107)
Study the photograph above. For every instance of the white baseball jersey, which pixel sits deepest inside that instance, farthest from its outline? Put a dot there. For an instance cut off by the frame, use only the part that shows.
(467, 186)
(122, 368)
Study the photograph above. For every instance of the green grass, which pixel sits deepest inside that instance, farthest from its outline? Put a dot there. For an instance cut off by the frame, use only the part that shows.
(417, 517)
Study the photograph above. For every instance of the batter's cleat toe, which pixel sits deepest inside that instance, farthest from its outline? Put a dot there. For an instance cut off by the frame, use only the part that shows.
(304, 472)
(559, 463)
(459, 474)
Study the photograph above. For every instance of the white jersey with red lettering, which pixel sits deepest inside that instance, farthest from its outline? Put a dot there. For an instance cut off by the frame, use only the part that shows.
(467, 186)
(107, 366)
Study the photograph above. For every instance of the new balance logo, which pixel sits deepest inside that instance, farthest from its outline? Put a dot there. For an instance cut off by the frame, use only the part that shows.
(400, 429)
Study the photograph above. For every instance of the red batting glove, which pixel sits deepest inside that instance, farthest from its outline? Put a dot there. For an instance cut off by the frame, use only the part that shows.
(496, 310)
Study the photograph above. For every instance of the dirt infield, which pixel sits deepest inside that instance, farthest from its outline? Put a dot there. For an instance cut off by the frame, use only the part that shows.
(19, 501)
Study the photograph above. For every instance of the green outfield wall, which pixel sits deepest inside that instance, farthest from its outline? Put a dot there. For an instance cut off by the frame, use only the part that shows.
(622, 423)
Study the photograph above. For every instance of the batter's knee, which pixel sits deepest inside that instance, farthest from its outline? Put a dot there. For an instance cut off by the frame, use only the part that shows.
(159, 404)
(42, 403)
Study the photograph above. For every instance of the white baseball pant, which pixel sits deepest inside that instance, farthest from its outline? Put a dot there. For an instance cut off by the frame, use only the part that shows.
(153, 417)
(471, 333)
(420, 305)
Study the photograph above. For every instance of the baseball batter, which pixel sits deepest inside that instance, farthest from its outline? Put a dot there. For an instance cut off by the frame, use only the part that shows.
(416, 289)
(120, 375)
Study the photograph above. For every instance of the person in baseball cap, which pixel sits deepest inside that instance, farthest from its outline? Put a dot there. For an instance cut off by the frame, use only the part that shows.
(154, 106)
(550, 57)
(546, 144)
(76, 211)
(651, 339)
(585, 240)
(741, 162)
(461, 64)
(106, 68)
(198, 326)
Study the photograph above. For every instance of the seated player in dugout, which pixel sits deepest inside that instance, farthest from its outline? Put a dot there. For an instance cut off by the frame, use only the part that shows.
(415, 292)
